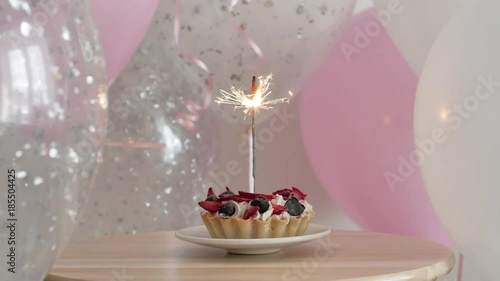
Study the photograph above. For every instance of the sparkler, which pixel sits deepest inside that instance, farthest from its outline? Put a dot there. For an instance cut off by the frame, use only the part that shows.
(251, 104)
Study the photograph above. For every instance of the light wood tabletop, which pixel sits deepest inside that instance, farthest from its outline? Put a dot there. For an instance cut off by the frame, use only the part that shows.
(343, 255)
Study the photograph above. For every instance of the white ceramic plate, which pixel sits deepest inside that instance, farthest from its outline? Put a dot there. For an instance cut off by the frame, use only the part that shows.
(199, 235)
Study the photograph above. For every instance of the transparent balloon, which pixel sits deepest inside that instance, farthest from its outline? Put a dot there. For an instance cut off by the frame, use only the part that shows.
(52, 101)
(160, 146)
(228, 42)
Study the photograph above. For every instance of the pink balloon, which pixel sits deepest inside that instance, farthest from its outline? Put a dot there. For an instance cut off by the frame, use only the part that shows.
(122, 25)
(357, 127)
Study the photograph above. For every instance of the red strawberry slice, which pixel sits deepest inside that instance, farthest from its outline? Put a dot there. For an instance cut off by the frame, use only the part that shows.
(236, 198)
(278, 209)
(227, 189)
(211, 192)
(211, 206)
(250, 212)
(283, 192)
(225, 195)
(298, 194)
(253, 195)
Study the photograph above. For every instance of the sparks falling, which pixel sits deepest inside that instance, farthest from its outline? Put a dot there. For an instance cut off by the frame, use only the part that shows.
(253, 101)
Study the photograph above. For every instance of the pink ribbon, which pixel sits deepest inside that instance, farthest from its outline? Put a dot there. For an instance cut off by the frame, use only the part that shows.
(188, 119)
(249, 41)
(188, 57)
(131, 144)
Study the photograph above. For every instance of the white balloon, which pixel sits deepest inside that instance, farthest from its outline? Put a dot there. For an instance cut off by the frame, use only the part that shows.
(457, 117)
(414, 25)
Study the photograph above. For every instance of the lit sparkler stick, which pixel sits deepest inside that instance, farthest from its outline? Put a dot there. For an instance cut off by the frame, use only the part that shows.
(251, 104)
(254, 95)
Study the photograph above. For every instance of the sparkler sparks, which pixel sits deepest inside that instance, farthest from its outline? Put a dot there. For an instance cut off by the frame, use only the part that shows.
(251, 102)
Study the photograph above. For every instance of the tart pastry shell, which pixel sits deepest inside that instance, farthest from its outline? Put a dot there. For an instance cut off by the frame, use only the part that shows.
(238, 228)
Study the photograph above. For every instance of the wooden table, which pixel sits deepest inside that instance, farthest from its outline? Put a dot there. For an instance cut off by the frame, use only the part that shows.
(343, 255)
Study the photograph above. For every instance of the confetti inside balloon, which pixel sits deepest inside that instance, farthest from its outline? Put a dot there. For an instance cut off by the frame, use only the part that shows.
(159, 149)
(228, 42)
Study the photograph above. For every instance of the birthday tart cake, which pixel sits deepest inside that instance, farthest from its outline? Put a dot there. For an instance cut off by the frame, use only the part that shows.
(284, 213)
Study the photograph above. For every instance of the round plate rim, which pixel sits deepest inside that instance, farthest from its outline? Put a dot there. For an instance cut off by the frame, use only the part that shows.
(324, 231)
